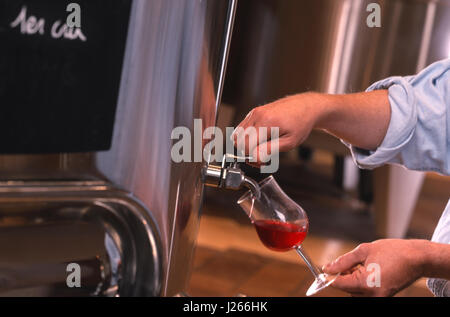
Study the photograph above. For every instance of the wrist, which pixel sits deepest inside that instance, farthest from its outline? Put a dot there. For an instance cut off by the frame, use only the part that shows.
(424, 257)
(324, 108)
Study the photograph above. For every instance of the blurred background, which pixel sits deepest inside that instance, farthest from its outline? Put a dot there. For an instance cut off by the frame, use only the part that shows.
(290, 46)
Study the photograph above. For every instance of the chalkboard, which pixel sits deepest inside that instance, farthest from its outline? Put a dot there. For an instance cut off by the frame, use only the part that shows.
(59, 85)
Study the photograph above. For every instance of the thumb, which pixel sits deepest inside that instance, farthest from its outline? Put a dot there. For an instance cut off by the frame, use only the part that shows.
(348, 260)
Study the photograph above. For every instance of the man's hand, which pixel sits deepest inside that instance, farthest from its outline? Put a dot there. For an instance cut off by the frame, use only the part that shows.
(401, 262)
(295, 116)
(360, 119)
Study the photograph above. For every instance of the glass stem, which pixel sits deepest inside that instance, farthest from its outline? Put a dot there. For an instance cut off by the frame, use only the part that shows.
(314, 269)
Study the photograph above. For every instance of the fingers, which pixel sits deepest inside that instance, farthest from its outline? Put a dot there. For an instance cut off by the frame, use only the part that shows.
(354, 283)
(247, 140)
(348, 260)
(264, 151)
(255, 129)
(247, 122)
(260, 135)
(253, 135)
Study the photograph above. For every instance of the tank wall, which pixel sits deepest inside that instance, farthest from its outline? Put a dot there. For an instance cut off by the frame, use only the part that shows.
(171, 74)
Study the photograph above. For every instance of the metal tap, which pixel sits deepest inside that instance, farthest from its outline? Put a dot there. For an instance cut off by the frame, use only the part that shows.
(229, 175)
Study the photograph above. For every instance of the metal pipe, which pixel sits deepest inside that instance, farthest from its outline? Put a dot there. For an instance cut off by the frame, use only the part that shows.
(253, 186)
(227, 45)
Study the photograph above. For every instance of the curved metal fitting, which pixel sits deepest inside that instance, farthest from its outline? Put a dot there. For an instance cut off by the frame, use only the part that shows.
(228, 176)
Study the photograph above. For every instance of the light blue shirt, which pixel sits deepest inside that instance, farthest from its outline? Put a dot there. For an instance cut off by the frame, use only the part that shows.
(418, 136)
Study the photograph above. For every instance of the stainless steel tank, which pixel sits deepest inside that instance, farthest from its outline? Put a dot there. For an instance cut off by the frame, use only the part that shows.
(127, 214)
(174, 72)
(287, 47)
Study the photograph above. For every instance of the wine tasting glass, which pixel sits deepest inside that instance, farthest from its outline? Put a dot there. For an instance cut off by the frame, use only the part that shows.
(282, 225)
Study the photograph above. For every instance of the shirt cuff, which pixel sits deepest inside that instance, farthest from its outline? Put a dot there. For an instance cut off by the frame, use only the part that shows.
(439, 287)
(401, 126)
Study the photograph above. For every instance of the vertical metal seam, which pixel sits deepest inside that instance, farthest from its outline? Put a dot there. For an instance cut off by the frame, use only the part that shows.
(227, 45)
(166, 282)
(426, 36)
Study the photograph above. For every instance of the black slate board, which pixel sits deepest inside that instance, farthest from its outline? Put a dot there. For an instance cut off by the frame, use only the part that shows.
(59, 94)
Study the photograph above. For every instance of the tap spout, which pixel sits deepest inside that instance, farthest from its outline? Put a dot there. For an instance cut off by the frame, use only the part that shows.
(252, 185)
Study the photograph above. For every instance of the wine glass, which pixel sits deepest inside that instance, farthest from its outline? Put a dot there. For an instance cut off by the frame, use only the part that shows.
(282, 225)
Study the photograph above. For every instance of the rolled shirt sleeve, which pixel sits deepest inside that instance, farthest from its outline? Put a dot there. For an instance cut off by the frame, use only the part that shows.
(417, 134)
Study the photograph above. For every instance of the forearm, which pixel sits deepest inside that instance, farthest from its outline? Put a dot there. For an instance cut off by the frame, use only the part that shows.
(436, 260)
(361, 119)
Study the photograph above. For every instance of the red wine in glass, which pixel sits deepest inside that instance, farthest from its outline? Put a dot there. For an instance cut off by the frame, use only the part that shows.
(282, 225)
(280, 236)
